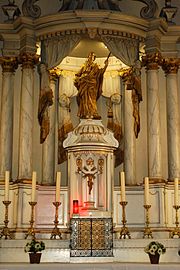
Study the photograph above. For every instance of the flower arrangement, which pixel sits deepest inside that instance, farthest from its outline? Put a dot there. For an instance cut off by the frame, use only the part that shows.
(34, 246)
(155, 248)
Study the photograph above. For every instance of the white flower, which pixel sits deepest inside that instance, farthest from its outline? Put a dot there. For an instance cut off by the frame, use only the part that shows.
(159, 251)
(37, 246)
(152, 251)
(154, 247)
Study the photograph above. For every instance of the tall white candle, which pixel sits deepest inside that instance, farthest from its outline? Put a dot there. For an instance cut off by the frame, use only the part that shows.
(6, 189)
(146, 191)
(122, 184)
(33, 192)
(176, 191)
(58, 184)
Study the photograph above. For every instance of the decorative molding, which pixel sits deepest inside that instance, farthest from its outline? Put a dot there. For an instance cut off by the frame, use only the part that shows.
(31, 10)
(149, 11)
(92, 32)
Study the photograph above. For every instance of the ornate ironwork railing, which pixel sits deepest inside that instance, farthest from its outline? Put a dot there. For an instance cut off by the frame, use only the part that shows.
(91, 237)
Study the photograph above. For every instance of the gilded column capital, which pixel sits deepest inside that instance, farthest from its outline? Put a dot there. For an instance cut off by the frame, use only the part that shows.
(54, 74)
(152, 61)
(9, 64)
(28, 60)
(171, 65)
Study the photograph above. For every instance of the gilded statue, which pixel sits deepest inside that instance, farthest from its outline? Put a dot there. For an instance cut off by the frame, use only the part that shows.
(88, 82)
(133, 79)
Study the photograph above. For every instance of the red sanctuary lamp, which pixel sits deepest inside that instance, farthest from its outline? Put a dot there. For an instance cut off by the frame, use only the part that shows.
(75, 207)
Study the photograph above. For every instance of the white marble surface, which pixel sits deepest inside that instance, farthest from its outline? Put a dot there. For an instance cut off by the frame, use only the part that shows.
(92, 266)
(6, 134)
(26, 124)
(129, 140)
(173, 126)
(57, 251)
(154, 136)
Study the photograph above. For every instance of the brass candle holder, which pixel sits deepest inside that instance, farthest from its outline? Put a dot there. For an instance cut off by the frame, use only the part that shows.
(124, 230)
(56, 231)
(147, 229)
(31, 231)
(176, 230)
(5, 231)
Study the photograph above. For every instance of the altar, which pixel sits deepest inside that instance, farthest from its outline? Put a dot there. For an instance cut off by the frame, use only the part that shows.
(89, 133)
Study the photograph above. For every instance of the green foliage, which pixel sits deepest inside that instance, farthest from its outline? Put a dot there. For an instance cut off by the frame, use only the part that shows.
(34, 246)
(155, 247)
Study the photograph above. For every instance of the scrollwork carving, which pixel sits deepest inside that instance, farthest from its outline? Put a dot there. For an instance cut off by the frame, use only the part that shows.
(149, 11)
(31, 10)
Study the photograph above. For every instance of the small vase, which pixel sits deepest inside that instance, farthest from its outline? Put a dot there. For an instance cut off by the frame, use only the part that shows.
(154, 259)
(35, 257)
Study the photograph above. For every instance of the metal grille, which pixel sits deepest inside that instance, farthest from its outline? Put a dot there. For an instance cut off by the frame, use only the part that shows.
(91, 237)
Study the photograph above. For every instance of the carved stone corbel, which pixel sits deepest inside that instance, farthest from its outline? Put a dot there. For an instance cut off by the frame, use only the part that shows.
(31, 10)
(149, 11)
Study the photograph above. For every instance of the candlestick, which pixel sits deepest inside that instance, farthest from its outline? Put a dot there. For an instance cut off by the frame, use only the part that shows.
(5, 231)
(176, 230)
(122, 183)
(58, 184)
(176, 191)
(124, 231)
(146, 191)
(56, 230)
(6, 190)
(33, 194)
(147, 229)
(31, 230)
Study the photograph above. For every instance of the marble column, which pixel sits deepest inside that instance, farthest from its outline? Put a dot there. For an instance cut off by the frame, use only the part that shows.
(152, 62)
(6, 131)
(48, 148)
(28, 61)
(129, 139)
(170, 67)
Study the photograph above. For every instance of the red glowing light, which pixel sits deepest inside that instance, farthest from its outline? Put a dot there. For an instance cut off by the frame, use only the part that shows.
(75, 207)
